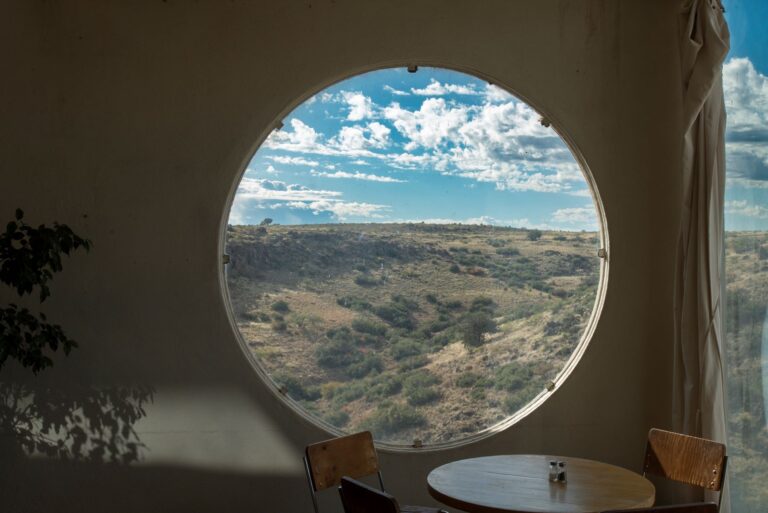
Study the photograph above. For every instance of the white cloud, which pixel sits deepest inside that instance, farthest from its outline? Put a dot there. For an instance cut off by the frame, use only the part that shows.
(746, 95)
(360, 106)
(302, 138)
(745, 208)
(435, 88)
(296, 161)
(746, 101)
(352, 141)
(499, 142)
(379, 134)
(265, 189)
(357, 176)
(495, 94)
(582, 217)
(429, 126)
(277, 194)
(396, 92)
(582, 193)
(481, 220)
(341, 210)
(506, 144)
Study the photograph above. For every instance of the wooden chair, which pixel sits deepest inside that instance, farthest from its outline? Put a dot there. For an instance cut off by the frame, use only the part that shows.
(353, 456)
(699, 507)
(686, 459)
(357, 497)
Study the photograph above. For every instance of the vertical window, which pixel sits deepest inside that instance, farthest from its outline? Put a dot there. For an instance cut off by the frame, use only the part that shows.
(746, 253)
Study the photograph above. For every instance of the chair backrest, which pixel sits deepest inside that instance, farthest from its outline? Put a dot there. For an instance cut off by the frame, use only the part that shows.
(687, 459)
(699, 507)
(358, 497)
(351, 455)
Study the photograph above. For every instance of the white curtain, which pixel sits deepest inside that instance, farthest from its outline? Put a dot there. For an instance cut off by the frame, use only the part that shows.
(699, 384)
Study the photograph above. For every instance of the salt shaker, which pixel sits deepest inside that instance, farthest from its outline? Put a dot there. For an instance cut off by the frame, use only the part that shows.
(562, 474)
(553, 470)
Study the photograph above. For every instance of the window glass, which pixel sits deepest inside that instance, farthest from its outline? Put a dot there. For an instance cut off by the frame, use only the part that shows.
(746, 258)
(413, 253)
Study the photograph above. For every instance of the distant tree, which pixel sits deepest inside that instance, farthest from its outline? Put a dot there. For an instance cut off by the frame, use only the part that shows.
(474, 328)
(534, 235)
(281, 306)
(266, 221)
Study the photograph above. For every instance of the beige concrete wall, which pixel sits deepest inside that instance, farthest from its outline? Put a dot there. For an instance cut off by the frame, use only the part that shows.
(130, 121)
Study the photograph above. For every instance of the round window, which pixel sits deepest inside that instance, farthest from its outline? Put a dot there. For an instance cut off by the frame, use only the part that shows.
(415, 254)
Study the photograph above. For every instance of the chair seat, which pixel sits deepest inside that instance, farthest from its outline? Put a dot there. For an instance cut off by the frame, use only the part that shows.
(420, 509)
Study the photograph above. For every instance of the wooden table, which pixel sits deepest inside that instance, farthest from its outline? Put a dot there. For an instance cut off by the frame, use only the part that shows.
(520, 483)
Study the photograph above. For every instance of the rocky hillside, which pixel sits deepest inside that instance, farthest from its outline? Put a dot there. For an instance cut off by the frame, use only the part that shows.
(415, 331)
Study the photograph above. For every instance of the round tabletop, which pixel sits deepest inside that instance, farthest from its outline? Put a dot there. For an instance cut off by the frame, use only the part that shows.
(520, 483)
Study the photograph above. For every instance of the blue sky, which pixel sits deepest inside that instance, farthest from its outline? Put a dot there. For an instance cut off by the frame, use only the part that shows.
(442, 146)
(746, 97)
(432, 146)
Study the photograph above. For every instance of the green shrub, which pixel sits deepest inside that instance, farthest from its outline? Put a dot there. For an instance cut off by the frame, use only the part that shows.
(422, 396)
(279, 325)
(482, 303)
(370, 327)
(477, 394)
(438, 326)
(404, 348)
(534, 235)
(420, 380)
(338, 351)
(296, 389)
(263, 317)
(413, 362)
(348, 393)
(384, 385)
(454, 268)
(366, 280)
(514, 402)
(408, 304)
(508, 252)
(454, 305)
(280, 306)
(512, 377)
(354, 303)
(431, 298)
(338, 418)
(389, 419)
(396, 314)
(497, 243)
(467, 379)
(370, 363)
(442, 339)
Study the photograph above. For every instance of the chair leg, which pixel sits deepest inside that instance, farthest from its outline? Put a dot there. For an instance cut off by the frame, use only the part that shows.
(311, 485)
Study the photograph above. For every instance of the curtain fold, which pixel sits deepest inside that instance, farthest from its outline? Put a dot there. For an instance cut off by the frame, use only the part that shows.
(699, 379)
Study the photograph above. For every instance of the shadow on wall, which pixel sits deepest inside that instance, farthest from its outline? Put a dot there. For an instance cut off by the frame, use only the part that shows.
(72, 423)
(38, 486)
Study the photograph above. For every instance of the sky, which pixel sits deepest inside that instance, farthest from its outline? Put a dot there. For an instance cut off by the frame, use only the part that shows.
(745, 87)
(442, 146)
(436, 146)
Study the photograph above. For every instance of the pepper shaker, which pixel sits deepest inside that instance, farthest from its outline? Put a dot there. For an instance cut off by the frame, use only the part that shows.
(562, 474)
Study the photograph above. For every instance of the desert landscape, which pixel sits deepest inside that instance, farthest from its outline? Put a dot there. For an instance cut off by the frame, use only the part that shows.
(422, 333)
